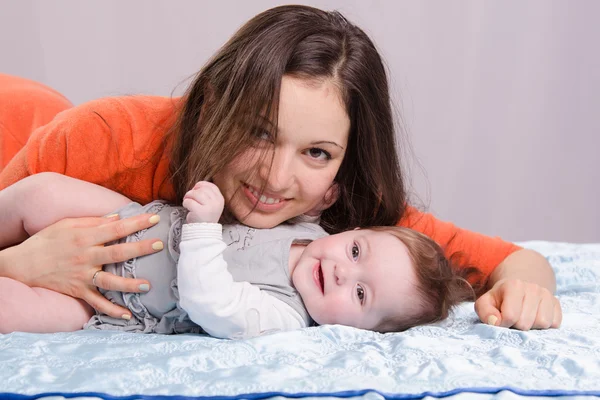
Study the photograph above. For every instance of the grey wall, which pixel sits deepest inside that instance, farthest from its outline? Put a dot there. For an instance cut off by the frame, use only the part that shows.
(499, 98)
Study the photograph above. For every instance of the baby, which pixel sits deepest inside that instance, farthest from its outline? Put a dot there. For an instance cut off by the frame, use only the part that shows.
(233, 281)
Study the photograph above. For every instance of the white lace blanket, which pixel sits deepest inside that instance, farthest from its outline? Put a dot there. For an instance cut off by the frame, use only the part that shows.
(459, 356)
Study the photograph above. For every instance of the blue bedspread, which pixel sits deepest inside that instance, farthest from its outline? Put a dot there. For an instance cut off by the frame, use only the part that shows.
(443, 359)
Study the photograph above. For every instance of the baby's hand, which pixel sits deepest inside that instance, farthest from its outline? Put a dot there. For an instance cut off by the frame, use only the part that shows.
(520, 305)
(204, 202)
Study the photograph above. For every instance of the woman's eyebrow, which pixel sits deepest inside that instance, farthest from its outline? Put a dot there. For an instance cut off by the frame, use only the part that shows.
(327, 142)
(270, 124)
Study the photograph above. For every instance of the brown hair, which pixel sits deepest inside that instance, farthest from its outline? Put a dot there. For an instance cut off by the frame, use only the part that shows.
(440, 284)
(221, 115)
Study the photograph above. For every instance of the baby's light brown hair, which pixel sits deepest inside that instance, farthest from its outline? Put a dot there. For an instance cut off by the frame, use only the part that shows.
(440, 284)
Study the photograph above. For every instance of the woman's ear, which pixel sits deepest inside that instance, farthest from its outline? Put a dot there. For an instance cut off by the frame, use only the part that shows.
(331, 196)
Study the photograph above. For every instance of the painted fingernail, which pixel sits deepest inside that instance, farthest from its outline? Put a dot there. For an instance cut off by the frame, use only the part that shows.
(157, 245)
(154, 219)
(111, 215)
(126, 317)
(492, 320)
(144, 287)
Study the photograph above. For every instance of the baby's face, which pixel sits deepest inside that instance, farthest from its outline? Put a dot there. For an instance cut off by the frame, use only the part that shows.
(356, 278)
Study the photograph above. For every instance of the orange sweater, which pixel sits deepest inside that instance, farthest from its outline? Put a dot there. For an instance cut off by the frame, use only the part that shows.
(119, 143)
(24, 106)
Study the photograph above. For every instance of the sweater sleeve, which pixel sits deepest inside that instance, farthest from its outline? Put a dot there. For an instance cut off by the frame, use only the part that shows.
(113, 142)
(466, 248)
(222, 307)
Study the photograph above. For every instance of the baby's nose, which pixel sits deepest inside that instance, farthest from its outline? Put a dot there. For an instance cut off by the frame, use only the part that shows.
(341, 274)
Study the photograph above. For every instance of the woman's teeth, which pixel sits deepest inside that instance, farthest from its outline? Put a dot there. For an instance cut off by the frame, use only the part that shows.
(263, 198)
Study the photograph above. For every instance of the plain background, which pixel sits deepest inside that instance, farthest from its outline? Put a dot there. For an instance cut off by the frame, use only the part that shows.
(499, 100)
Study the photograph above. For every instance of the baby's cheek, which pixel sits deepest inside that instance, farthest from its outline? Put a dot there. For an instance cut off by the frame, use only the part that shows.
(339, 311)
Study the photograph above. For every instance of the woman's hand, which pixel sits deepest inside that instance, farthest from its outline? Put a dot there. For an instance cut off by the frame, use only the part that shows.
(513, 303)
(521, 294)
(65, 256)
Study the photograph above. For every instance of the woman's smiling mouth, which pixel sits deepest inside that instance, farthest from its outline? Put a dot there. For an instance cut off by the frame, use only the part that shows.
(263, 202)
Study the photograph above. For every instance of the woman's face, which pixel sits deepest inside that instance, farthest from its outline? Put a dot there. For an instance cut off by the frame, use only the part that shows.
(312, 137)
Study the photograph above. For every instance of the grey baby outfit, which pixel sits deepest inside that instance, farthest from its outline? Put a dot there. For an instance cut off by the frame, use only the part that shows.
(257, 256)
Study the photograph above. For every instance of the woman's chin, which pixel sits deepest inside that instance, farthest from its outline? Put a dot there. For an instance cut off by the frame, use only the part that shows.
(256, 217)
(261, 221)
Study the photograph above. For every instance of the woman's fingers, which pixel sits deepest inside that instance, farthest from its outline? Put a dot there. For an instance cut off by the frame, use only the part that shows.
(512, 294)
(557, 320)
(529, 311)
(108, 281)
(105, 306)
(545, 313)
(121, 252)
(487, 308)
(113, 229)
(83, 222)
(65, 256)
(118, 229)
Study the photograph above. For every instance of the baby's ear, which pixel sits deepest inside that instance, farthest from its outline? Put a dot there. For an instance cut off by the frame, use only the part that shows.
(330, 197)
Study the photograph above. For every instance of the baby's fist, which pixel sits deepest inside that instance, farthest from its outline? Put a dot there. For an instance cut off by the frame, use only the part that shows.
(204, 202)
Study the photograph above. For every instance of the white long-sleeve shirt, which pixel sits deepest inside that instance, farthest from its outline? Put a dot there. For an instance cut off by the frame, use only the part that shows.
(221, 306)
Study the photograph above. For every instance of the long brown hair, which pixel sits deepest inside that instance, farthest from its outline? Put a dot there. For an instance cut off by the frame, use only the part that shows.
(225, 105)
(440, 284)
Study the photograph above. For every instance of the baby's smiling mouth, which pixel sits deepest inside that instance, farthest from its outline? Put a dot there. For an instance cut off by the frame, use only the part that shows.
(321, 280)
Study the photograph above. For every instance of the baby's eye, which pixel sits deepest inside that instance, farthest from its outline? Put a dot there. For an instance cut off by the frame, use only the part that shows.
(319, 154)
(360, 293)
(355, 252)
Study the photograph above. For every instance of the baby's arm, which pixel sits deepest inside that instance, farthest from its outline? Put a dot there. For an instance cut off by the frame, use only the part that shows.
(212, 299)
(207, 292)
(40, 200)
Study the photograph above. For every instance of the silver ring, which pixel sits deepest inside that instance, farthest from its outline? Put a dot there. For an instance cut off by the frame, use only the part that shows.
(94, 277)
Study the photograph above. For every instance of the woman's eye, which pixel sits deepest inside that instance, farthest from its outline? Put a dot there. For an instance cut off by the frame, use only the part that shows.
(360, 293)
(263, 135)
(355, 252)
(319, 154)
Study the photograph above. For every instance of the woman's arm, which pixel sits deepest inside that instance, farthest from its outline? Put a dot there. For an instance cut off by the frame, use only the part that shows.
(464, 247)
(520, 283)
(526, 265)
(521, 294)
(64, 257)
(111, 142)
(24, 106)
(117, 143)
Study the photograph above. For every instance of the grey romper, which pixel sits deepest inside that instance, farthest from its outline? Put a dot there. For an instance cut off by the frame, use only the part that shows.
(257, 256)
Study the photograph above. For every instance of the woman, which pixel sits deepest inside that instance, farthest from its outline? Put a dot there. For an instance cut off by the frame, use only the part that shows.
(289, 69)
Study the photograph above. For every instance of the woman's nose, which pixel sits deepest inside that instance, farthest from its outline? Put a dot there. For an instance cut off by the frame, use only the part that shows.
(280, 173)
